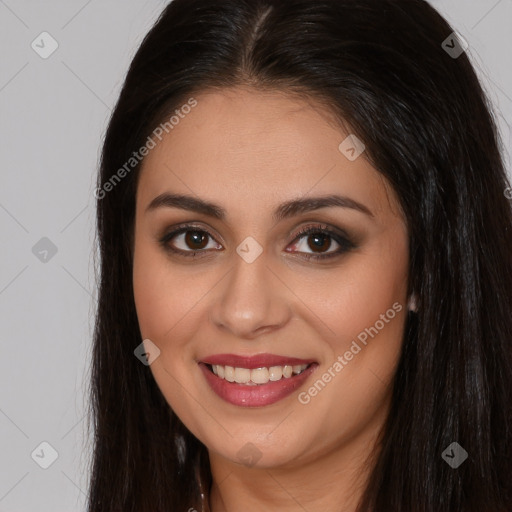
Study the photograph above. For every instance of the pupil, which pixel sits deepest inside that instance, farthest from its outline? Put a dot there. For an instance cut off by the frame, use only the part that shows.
(194, 238)
(319, 241)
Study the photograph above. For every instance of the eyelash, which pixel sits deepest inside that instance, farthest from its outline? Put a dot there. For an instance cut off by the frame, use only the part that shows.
(342, 240)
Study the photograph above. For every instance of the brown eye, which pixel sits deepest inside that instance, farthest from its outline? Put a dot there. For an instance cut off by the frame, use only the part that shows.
(188, 241)
(318, 240)
(195, 239)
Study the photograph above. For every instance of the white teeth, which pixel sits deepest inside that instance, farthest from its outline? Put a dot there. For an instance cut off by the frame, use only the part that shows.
(242, 375)
(229, 373)
(260, 375)
(276, 372)
(257, 375)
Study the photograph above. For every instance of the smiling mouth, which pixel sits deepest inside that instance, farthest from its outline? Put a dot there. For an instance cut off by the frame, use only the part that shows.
(257, 376)
(271, 384)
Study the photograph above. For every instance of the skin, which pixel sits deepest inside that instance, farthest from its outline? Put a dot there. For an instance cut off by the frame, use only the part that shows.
(248, 152)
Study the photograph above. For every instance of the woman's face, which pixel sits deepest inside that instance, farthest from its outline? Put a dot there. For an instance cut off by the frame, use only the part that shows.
(239, 281)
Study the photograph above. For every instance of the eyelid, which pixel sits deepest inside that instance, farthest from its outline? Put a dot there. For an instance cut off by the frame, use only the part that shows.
(321, 227)
(189, 226)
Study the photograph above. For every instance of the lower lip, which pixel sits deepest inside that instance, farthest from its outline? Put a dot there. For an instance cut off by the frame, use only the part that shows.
(258, 395)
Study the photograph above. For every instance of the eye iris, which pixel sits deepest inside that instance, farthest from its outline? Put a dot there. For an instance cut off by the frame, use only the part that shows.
(194, 237)
(321, 241)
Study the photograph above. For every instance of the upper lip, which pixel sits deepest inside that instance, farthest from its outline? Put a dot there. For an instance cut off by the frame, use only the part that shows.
(256, 361)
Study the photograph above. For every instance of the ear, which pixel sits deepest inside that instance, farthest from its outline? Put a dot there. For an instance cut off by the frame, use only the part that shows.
(412, 304)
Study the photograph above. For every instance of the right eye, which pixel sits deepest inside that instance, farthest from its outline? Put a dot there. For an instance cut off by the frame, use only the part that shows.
(191, 238)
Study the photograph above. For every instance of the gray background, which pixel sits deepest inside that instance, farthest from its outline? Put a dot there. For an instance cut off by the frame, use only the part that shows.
(53, 115)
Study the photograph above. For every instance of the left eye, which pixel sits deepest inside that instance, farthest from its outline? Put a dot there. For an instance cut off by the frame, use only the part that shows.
(319, 239)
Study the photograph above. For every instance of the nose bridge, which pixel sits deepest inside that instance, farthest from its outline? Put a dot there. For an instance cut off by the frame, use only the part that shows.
(250, 298)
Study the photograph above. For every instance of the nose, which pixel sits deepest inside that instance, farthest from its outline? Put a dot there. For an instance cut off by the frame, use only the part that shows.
(251, 301)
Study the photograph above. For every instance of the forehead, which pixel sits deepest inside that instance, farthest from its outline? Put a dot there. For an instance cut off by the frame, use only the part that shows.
(251, 150)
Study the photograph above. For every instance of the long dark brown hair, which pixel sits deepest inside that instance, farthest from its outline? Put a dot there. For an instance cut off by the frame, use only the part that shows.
(382, 67)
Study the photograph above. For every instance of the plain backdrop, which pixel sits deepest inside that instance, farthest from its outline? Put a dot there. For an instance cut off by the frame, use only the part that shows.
(53, 113)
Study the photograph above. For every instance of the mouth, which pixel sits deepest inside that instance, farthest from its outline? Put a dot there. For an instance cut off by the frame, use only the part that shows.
(256, 381)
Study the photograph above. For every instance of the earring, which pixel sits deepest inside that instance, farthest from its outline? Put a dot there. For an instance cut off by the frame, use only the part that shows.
(412, 304)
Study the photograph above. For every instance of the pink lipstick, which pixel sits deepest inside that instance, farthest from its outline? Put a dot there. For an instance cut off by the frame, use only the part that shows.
(255, 381)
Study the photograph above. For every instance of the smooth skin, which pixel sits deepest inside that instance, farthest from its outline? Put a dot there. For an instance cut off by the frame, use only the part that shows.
(249, 151)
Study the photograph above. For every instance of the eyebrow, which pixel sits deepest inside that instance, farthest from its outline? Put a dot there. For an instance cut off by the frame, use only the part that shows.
(285, 210)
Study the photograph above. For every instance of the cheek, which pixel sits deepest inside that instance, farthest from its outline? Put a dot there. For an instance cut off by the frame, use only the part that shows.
(170, 303)
(352, 297)
(152, 296)
(364, 304)
(165, 314)
(162, 294)
(161, 297)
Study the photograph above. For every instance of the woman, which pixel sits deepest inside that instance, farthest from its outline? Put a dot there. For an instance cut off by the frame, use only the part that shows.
(306, 291)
